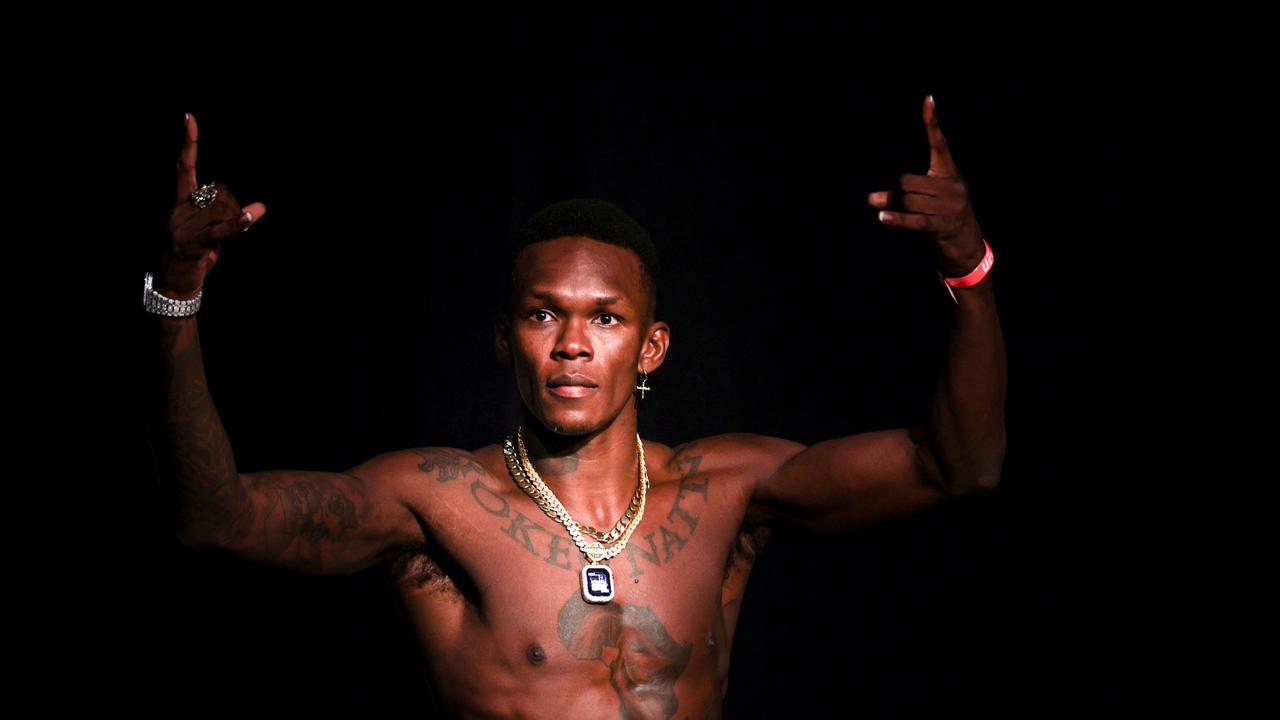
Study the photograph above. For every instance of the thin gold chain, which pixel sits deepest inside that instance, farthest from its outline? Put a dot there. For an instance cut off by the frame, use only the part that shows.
(531, 483)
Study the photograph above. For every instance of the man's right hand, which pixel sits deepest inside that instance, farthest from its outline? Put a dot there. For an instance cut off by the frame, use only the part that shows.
(196, 234)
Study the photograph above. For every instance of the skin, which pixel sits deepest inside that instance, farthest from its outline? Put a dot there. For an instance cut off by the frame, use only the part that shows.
(488, 583)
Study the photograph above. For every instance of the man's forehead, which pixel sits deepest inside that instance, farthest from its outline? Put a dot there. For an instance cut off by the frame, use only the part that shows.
(579, 269)
(549, 295)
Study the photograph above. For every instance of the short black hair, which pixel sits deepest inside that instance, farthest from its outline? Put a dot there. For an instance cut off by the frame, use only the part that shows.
(597, 219)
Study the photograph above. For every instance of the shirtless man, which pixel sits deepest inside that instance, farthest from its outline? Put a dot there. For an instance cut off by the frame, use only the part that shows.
(491, 584)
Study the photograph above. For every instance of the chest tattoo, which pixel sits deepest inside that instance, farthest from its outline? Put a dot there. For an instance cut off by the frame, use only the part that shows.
(681, 519)
(549, 542)
(445, 465)
(644, 661)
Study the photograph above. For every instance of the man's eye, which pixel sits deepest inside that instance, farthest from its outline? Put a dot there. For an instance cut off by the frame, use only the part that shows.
(536, 315)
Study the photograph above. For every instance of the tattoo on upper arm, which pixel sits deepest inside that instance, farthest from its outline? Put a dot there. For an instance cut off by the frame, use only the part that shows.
(307, 511)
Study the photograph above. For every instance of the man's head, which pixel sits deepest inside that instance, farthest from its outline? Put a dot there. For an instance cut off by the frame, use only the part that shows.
(597, 219)
(581, 299)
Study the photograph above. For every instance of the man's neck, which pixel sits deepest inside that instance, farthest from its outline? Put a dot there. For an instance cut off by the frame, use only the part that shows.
(593, 475)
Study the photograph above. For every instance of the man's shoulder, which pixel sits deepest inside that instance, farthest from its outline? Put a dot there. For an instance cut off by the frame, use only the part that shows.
(751, 455)
(740, 462)
(409, 467)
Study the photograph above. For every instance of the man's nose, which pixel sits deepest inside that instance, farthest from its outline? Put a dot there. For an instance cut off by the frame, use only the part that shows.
(573, 340)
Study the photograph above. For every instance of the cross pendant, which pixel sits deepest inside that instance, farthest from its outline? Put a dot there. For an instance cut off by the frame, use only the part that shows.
(642, 387)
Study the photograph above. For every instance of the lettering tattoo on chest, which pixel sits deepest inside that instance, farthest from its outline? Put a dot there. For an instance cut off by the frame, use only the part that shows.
(550, 543)
(643, 660)
(691, 497)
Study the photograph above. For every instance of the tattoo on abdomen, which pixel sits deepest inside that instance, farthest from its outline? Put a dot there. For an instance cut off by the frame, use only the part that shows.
(646, 661)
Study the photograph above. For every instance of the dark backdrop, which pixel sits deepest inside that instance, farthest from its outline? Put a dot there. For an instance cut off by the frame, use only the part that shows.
(355, 319)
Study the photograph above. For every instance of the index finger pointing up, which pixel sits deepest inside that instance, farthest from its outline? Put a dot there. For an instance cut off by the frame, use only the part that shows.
(940, 162)
(187, 159)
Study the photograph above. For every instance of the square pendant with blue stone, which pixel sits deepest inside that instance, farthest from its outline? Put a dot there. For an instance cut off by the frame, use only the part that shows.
(597, 583)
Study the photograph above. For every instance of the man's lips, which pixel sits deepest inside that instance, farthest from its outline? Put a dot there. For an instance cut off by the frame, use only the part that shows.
(572, 390)
(571, 385)
(571, 379)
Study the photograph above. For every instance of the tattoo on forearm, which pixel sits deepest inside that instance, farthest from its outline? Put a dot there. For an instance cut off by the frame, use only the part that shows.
(646, 660)
(213, 504)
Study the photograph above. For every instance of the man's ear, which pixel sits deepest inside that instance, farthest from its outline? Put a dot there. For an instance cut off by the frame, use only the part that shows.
(501, 338)
(655, 347)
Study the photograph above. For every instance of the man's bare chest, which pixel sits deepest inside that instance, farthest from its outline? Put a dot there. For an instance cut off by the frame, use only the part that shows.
(485, 527)
(493, 547)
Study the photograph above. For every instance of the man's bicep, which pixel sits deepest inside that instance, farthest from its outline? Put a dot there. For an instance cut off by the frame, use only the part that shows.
(853, 482)
(314, 522)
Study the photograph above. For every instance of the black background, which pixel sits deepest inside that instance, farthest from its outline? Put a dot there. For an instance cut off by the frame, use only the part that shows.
(354, 318)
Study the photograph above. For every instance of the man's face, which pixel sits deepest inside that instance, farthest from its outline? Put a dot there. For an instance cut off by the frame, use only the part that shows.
(579, 310)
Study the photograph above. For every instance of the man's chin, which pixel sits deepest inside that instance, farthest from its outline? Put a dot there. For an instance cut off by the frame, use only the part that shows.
(569, 421)
(570, 429)
(572, 426)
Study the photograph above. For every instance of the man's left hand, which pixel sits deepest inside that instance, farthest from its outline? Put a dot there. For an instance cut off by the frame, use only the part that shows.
(937, 204)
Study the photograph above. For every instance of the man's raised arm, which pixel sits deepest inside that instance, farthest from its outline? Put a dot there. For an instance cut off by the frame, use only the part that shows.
(308, 521)
(311, 522)
(852, 482)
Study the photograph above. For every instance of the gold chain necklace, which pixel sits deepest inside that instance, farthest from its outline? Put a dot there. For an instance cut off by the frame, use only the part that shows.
(545, 500)
(597, 578)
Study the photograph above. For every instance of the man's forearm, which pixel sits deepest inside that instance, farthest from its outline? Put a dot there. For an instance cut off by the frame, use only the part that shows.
(196, 464)
(966, 430)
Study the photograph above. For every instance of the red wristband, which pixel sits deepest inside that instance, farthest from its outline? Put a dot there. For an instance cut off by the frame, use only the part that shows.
(974, 277)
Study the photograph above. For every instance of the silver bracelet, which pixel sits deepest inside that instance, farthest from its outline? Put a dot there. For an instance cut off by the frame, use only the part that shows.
(154, 302)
